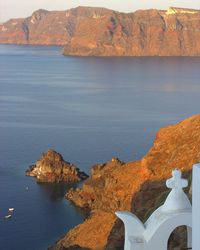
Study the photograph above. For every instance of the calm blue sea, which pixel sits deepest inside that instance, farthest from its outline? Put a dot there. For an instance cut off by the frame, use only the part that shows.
(89, 110)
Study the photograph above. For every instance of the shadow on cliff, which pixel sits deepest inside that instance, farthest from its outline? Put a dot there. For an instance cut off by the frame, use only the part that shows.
(152, 195)
(76, 247)
(55, 191)
(116, 237)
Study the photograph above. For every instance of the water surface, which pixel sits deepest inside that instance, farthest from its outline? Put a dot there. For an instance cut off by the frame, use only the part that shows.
(89, 110)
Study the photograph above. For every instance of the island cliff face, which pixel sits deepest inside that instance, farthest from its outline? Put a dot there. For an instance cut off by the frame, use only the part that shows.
(87, 31)
(42, 28)
(135, 186)
(52, 168)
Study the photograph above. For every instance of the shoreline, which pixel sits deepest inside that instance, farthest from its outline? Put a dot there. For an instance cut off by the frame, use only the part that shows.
(148, 32)
(134, 186)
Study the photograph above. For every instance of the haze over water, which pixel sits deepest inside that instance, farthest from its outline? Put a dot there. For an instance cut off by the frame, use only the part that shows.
(89, 110)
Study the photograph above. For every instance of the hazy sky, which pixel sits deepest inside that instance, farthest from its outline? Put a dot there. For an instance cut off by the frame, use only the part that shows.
(24, 8)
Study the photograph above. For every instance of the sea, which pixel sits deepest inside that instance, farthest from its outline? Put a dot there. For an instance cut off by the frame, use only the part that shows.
(89, 109)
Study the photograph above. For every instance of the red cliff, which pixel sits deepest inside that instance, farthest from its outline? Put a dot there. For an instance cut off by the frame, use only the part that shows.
(87, 31)
(134, 186)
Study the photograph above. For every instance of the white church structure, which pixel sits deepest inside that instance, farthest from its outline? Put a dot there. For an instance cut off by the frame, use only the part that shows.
(176, 211)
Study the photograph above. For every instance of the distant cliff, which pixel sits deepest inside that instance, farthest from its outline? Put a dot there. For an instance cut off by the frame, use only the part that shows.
(87, 31)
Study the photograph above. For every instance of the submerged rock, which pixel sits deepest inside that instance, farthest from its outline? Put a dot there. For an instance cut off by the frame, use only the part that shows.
(53, 168)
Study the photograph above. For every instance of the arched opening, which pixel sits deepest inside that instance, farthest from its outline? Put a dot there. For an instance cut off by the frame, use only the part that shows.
(179, 239)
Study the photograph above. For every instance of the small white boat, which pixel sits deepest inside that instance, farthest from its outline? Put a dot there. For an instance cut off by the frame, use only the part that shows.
(11, 209)
(8, 216)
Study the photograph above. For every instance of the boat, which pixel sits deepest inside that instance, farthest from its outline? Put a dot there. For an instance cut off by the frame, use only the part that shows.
(11, 209)
(8, 216)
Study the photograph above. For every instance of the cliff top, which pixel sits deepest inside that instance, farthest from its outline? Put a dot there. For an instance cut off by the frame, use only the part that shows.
(176, 10)
(87, 9)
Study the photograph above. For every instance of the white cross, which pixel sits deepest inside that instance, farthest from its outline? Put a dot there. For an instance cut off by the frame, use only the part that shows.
(176, 182)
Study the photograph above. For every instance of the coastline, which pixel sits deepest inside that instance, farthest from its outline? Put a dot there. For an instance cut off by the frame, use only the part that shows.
(148, 32)
(38, 109)
(134, 186)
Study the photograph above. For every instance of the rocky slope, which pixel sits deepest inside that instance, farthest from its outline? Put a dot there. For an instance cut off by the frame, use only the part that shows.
(135, 186)
(52, 168)
(87, 31)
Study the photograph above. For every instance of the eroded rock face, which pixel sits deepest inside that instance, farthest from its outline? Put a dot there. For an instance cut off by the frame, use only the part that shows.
(52, 168)
(135, 186)
(87, 31)
(142, 33)
(42, 28)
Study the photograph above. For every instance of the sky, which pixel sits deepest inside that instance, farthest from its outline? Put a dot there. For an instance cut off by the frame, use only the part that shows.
(23, 8)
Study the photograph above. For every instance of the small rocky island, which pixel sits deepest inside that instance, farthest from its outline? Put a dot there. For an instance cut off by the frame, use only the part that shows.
(53, 168)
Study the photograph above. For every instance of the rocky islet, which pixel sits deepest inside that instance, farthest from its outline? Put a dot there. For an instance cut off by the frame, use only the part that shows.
(51, 167)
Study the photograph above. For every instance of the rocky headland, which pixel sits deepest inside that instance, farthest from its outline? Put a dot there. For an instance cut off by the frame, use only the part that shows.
(51, 167)
(134, 186)
(87, 31)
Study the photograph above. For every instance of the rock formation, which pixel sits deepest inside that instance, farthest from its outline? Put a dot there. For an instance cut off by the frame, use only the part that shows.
(52, 168)
(42, 28)
(134, 186)
(87, 31)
